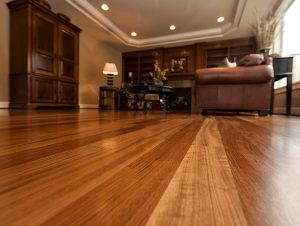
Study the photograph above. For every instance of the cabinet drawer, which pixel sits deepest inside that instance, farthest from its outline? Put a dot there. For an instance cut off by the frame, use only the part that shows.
(43, 90)
(68, 93)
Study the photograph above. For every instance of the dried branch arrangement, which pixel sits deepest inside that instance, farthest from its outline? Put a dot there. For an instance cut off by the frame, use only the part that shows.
(264, 30)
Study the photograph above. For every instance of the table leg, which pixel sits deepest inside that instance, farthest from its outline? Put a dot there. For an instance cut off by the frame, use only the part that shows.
(272, 97)
(164, 98)
(288, 95)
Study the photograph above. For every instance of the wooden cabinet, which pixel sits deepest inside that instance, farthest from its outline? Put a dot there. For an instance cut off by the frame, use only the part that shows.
(67, 49)
(67, 93)
(43, 57)
(43, 90)
(43, 44)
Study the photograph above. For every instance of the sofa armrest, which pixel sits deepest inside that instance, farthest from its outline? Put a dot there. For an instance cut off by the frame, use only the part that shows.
(236, 75)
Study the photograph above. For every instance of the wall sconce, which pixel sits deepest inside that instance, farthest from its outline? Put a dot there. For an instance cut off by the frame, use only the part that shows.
(110, 70)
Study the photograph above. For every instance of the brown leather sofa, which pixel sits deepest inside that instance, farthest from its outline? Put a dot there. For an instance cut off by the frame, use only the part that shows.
(240, 88)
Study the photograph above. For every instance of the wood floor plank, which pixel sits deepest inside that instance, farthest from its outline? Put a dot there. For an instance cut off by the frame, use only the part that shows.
(93, 167)
(265, 163)
(202, 192)
(61, 178)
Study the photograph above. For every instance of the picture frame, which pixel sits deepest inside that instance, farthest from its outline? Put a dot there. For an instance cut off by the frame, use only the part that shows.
(178, 64)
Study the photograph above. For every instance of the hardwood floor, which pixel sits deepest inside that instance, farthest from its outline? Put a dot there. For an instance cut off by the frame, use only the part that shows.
(93, 167)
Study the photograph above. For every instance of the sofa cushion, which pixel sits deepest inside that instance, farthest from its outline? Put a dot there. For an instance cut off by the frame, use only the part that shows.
(237, 75)
(251, 60)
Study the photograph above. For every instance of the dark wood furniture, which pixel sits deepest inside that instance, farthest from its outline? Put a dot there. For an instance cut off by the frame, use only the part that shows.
(136, 95)
(137, 65)
(163, 92)
(43, 57)
(187, 53)
(108, 97)
(234, 49)
(283, 68)
(200, 55)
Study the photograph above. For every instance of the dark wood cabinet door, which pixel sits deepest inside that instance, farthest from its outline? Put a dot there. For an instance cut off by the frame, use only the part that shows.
(68, 43)
(44, 45)
(68, 93)
(43, 90)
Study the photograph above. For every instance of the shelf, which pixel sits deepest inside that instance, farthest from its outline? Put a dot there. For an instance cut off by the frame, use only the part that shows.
(131, 64)
(216, 52)
(147, 69)
(131, 69)
(212, 65)
(147, 62)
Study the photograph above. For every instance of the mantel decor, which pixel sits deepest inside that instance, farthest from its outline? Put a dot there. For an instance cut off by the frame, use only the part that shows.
(158, 75)
(178, 64)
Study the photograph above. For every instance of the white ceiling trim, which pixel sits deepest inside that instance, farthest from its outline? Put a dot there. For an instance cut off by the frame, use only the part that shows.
(96, 16)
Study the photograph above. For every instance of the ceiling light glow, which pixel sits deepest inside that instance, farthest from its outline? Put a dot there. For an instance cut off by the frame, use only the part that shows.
(104, 7)
(172, 27)
(133, 34)
(220, 19)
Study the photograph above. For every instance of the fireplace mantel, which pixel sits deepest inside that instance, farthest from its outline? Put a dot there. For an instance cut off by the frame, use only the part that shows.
(181, 76)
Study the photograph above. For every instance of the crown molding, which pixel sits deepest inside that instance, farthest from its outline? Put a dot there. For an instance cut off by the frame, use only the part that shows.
(102, 21)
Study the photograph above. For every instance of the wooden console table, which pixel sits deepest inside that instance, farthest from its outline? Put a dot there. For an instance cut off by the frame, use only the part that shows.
(283, 68)
(108, 97)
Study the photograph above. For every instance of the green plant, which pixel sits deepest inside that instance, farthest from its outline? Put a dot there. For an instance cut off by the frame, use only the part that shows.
(158, 74)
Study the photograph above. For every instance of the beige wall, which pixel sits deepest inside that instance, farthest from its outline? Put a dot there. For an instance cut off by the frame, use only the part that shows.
(4, 55)
(93, 55)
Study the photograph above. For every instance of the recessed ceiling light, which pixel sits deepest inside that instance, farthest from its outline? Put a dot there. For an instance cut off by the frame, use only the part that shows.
(220, 19)
(104, 7)
(172, 27)
(133, 34)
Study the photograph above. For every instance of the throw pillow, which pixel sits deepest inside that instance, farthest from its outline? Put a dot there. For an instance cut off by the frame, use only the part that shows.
(251, 60)
(229, 64)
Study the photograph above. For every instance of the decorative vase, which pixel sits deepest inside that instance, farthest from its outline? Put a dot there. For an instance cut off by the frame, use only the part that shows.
(158, 83)
(265, 51)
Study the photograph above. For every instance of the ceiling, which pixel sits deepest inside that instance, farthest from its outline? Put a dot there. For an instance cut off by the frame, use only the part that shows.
(195, 20)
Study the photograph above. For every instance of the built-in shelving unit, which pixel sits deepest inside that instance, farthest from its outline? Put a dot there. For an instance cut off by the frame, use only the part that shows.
(234, 50)
(137, 65)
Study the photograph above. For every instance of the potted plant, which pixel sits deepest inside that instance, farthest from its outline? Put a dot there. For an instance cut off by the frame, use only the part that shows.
(158, 74)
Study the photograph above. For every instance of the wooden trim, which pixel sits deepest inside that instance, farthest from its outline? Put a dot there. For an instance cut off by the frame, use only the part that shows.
(4, 104)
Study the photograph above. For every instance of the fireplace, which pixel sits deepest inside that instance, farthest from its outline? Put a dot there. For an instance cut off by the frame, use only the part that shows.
(183, 98)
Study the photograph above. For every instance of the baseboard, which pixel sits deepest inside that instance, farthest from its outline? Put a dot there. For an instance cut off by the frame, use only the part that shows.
(4, 104)
(89, 106)
(92, 106)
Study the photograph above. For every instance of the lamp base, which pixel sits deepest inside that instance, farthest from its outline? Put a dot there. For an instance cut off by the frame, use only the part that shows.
(110, 79)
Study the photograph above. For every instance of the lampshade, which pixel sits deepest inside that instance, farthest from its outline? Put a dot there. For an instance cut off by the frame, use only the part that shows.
(110, 69)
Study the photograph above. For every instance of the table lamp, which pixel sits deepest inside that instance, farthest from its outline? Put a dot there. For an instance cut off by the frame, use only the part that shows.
(110, 70)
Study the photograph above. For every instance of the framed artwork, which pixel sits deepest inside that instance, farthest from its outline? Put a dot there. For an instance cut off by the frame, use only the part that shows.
(178, 64)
